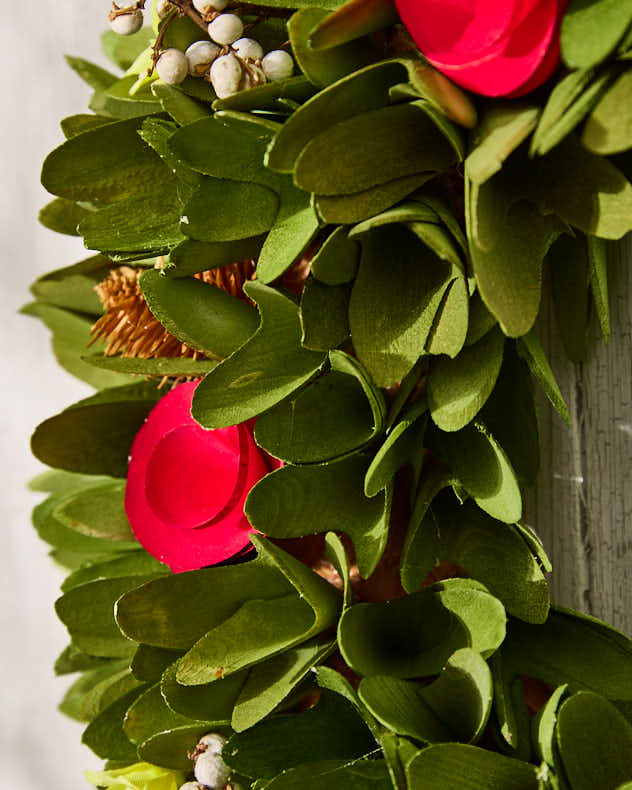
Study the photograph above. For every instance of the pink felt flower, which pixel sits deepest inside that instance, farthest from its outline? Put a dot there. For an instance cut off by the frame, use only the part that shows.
(492, 47)
(186, 486)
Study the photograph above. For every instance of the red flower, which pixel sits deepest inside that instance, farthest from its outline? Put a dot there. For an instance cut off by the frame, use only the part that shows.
(492, 47)
(186, 486)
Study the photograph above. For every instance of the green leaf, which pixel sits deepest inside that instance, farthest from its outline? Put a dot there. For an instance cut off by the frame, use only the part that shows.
(353, 20)
(95, 438)
(598, 268)
(480, 320)
(359, 775)
(594, 741)
(336, 262)
(332, 730)
(131, 563)
(427, 627)
(106, 164)
(149, 663)
(609, 127)
(296, 501)
(123, 50)
(481, 466)
(199, 314)
(530, 349)
(118, 101)
(544, 725)
(324, 315)
(509, 273)
(502, 129)
(97, 511)
(393, 306)
(90, 73)
(449, 330)
(149, 714)
(492, 552)
(455, 707)
(71, 659)
(268, 96)
(458, 388)
(191, 257)
(202, 221)
(591, 30)
(261, 629)
(323, 68)
(105, 736)
(371, 149)
(182, 108)
(212, 702)
(78, 124)
(441, 92)
(90, 684)
(362, 205)
(62, 216)
(107, 691)
(73, 286)
(87, 612)
(160, 366)
(171, 748)
(270, 366)
(568, 266)
(449, 765)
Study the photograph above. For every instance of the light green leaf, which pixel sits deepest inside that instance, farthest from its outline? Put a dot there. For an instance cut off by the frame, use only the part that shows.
(590, 31)
(598, 268)
(105, 736)
(123, 50)
(173, 367)
(73, 286)
(97, 511)
(95, 76)
(609, 127)
(530, 349)
(182, 108)
(449, 330)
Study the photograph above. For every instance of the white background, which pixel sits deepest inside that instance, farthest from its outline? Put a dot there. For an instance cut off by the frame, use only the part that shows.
(39, 748)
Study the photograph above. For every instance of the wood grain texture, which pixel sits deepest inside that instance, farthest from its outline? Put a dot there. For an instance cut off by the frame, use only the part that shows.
(582, 504)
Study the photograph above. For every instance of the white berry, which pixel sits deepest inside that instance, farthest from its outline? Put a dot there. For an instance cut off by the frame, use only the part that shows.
(226, 74)
(191, 786)
(248, 48)
(226, 28)
(172, 66)
(200, 55)
(253, 76)
(208, 6)
(128, 23)
(212, 742)
(163, 7)
(211, 770)
(277, 65)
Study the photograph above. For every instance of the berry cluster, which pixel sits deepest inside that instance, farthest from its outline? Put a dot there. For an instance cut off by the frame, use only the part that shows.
(230, 61)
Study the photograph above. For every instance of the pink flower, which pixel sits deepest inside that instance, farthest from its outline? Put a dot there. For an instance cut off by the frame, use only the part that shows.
(186, 486)
(492, 47)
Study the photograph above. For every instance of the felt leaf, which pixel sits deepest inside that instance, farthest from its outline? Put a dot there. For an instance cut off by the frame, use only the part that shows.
(608, 129)
(87, 612)
(401, 138)
(323, 68)
(96, 689)
(449, 330)
(150, 663)
(152, 614)
(149, 715)
(480, 320)
(359, 206)
(598, 268)
(123, 50)
(131, 563)
(427, 626)
(269, 95)
(326, 420)
(594, 741)
(392, 307)
(202, 221)
(71, 335)
(530, 349)
(63, 216)
(105, 736)
(71, 660)
(568, 267)
(182, 108)
(191, 257)
(336, 262)
(97, 511)
(171, 748)
(262, 629)
(295, 501)
(73, 286)
(353, 20)
(488, 550)
(78, 124)
(106, 164)
(590, 31)
(95, 438)
(445, 214)
(332, 730)
(481, 466)
(405, 391)
(270, 366)
(441, 92)
(294, 228)
(408, 211)
(269, 683)
(160, 366)
(212, 702)
(119, 102)
(345, 363)
(569, 103)
(516, 429)
(458, 388)
(472, 768)
(544, 727)
(337, 555)
(324, 315)
(509, 275)
(453, 708)
(199, 314)
(339, 775)
(502, 129)
(403, 445)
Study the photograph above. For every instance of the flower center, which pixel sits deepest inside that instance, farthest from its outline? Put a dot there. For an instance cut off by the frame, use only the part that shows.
(196, 477)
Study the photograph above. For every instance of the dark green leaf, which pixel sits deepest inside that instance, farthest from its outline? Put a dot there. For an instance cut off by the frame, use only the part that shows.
(73, 286)
(598, 268)
(171, 748)
(182, 108)
(191, 257)
(269, 95)
(324, 315)
(105, 736)
(97, 511)
(213, 702)
(149, 714)
(568, 266)
(149, 663)
(354, 19)
(338, 775)
(78, 124)
(63, 216)
(159, 366)
(336, 262)
(530, 349)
